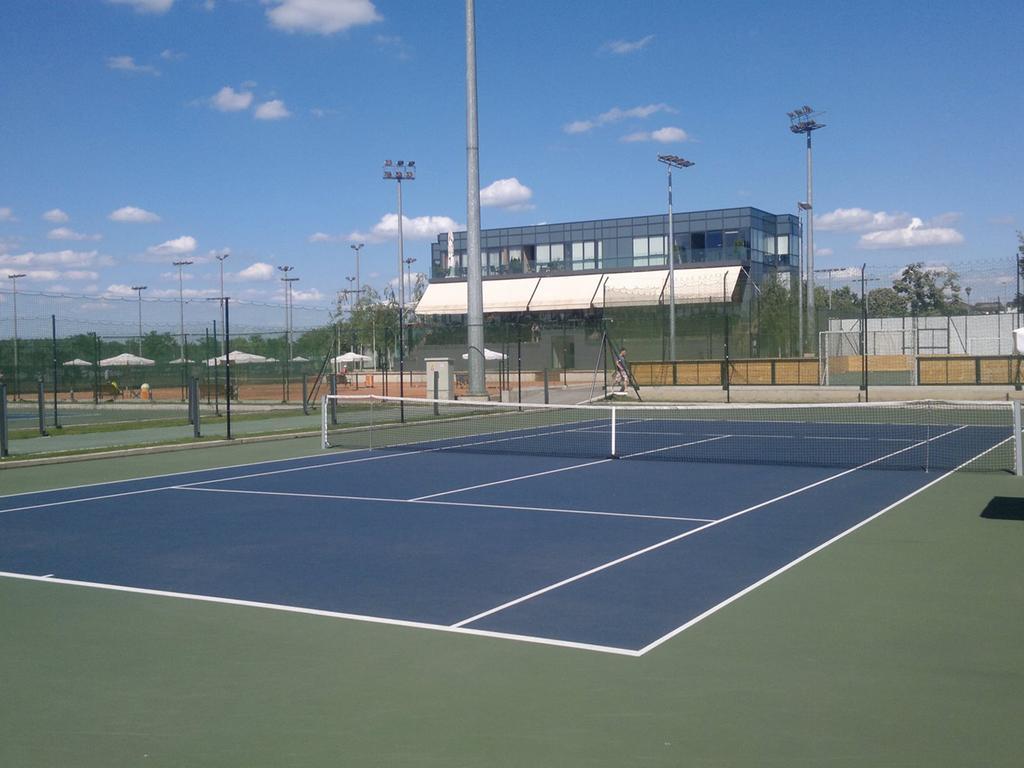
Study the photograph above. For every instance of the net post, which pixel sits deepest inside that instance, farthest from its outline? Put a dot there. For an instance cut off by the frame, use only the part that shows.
(3, 421)
(305, 396)
(928, 438)
(333, 391)
(614, 453)
(1018, 454)
(193, 396)
(323, 423)
(546, 387)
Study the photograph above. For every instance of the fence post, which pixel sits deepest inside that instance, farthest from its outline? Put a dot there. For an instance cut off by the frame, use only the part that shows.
(41, 399)
(305, 396)
(3, 420)
(437, 390)
(546, 391)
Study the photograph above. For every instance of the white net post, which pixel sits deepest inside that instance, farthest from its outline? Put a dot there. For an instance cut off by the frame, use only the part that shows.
(1018, 456)
(323, 423)
(613, 434)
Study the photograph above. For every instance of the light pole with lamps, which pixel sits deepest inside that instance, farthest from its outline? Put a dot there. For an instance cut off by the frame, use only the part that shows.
(358, 247)
(399, 171)
(287, 280)
(14, 296)
(221, 257)
(802, 121)
(139, 289)
(670, 162)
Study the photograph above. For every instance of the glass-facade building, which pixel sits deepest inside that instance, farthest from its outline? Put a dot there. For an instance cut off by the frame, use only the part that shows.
(761, 241)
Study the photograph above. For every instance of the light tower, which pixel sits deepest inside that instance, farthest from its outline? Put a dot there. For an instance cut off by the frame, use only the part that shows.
(399, 171)
(803, 121)
(357, 247)
(14, 296)
(139, 289)
(670, 162)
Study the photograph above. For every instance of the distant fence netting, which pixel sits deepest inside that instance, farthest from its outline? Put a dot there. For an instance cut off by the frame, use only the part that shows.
(177, 340)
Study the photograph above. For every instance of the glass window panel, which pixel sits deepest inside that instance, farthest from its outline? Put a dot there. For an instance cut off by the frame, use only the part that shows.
(714, 239)
(640, 247)
(782, 244)
(697, 239)
(657, 246)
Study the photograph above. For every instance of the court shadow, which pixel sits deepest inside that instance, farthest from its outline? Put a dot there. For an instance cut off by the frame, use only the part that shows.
(1004, 508)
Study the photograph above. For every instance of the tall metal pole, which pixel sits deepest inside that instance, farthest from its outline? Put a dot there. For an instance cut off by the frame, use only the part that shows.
(400, 170)
(672, 161)
(139, 289)
(181, 310)
(802, 121)
(357, 247)
(14, 304)
(474, 272)
(221, 258)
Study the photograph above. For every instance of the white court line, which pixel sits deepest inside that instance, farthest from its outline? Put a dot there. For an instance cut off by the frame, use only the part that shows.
(445, 503)
(62, 502)
(787, 566)
(560, 469)
(681, 445)
(330, 614)
(673, 539)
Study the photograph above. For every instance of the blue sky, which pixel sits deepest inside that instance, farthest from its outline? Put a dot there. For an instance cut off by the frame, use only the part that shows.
(136, 132)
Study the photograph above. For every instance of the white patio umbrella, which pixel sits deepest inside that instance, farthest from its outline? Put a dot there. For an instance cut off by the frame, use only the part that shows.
(126, 359)
(351, 357)
(79, 362)
(300, 359)
(489, 354)
(179, 361)
(237, 357)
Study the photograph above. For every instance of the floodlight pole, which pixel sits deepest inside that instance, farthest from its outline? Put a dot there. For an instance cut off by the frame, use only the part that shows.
(802, 121)
(357, 247)
(670, 162)
(14, 296)
(181, 317)
(399, 171)
(221, 258)
(474, 271)
(139, 289)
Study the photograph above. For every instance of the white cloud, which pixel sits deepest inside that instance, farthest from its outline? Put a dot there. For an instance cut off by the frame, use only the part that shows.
(322, 17)
(272, 110)
(507, 193)
(260, 270)
(56, 215)
(860, 220)
(824, 252)
(419, 228)
(312, 294)
(119, 290)
(55, 258)
(180, 246)
(168, 277)
(41, 274)
(227, 99)
(668, 135)
(130, 213)
(66, 233)
(127, 64)
(323, 237)
(6, 214)
(146, 6)
(187, 293)
(81, 274)
(914, 235)
(615, 115)
(169, 54)
(627, 46)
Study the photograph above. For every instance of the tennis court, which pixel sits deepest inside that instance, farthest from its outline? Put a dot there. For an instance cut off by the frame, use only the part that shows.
(546, 525)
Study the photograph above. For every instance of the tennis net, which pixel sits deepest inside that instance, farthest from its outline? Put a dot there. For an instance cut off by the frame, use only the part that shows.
(929, 435)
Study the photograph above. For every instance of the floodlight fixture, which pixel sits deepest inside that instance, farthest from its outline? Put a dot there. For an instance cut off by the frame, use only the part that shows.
(675, 161)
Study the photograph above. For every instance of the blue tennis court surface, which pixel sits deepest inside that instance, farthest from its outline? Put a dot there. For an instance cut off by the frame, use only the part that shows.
(614, 555)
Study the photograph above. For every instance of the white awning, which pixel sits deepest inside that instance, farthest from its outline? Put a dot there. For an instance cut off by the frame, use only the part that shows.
(556, 293)
(704, 286)
(633, 289)
(443, 299)
(511, 295)
(567, 292)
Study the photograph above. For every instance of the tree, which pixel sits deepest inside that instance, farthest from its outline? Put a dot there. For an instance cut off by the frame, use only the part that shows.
(777, 317)
(928, 291)
(885, 302)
